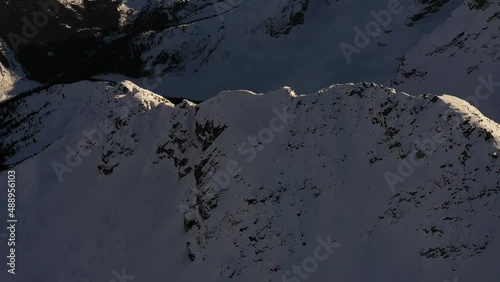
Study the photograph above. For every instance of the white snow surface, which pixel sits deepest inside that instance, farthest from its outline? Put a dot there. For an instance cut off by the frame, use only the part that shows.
(456, 58)
(248, 45)
(320, 175)
(232, 47)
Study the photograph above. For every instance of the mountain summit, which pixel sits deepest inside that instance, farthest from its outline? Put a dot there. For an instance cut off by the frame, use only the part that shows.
(353, 182)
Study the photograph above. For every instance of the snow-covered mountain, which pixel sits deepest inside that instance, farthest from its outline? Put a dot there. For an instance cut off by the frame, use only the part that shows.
(355, 182)
(263, 45)
(462, 56)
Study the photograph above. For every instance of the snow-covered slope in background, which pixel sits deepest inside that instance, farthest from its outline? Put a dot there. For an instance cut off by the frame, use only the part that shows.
(150, 193)
(263, 45)
(197, 48)
(461, 57)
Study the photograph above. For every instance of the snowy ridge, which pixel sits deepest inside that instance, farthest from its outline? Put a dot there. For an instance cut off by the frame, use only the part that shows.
(278, 42)
(458, 57)
(151, 195)
(281, 43)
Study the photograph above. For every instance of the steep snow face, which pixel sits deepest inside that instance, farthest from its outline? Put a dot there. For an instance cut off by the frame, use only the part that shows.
(265, 44)
(355, 182)
(255, 44)
(460, 57)
(278, 42)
